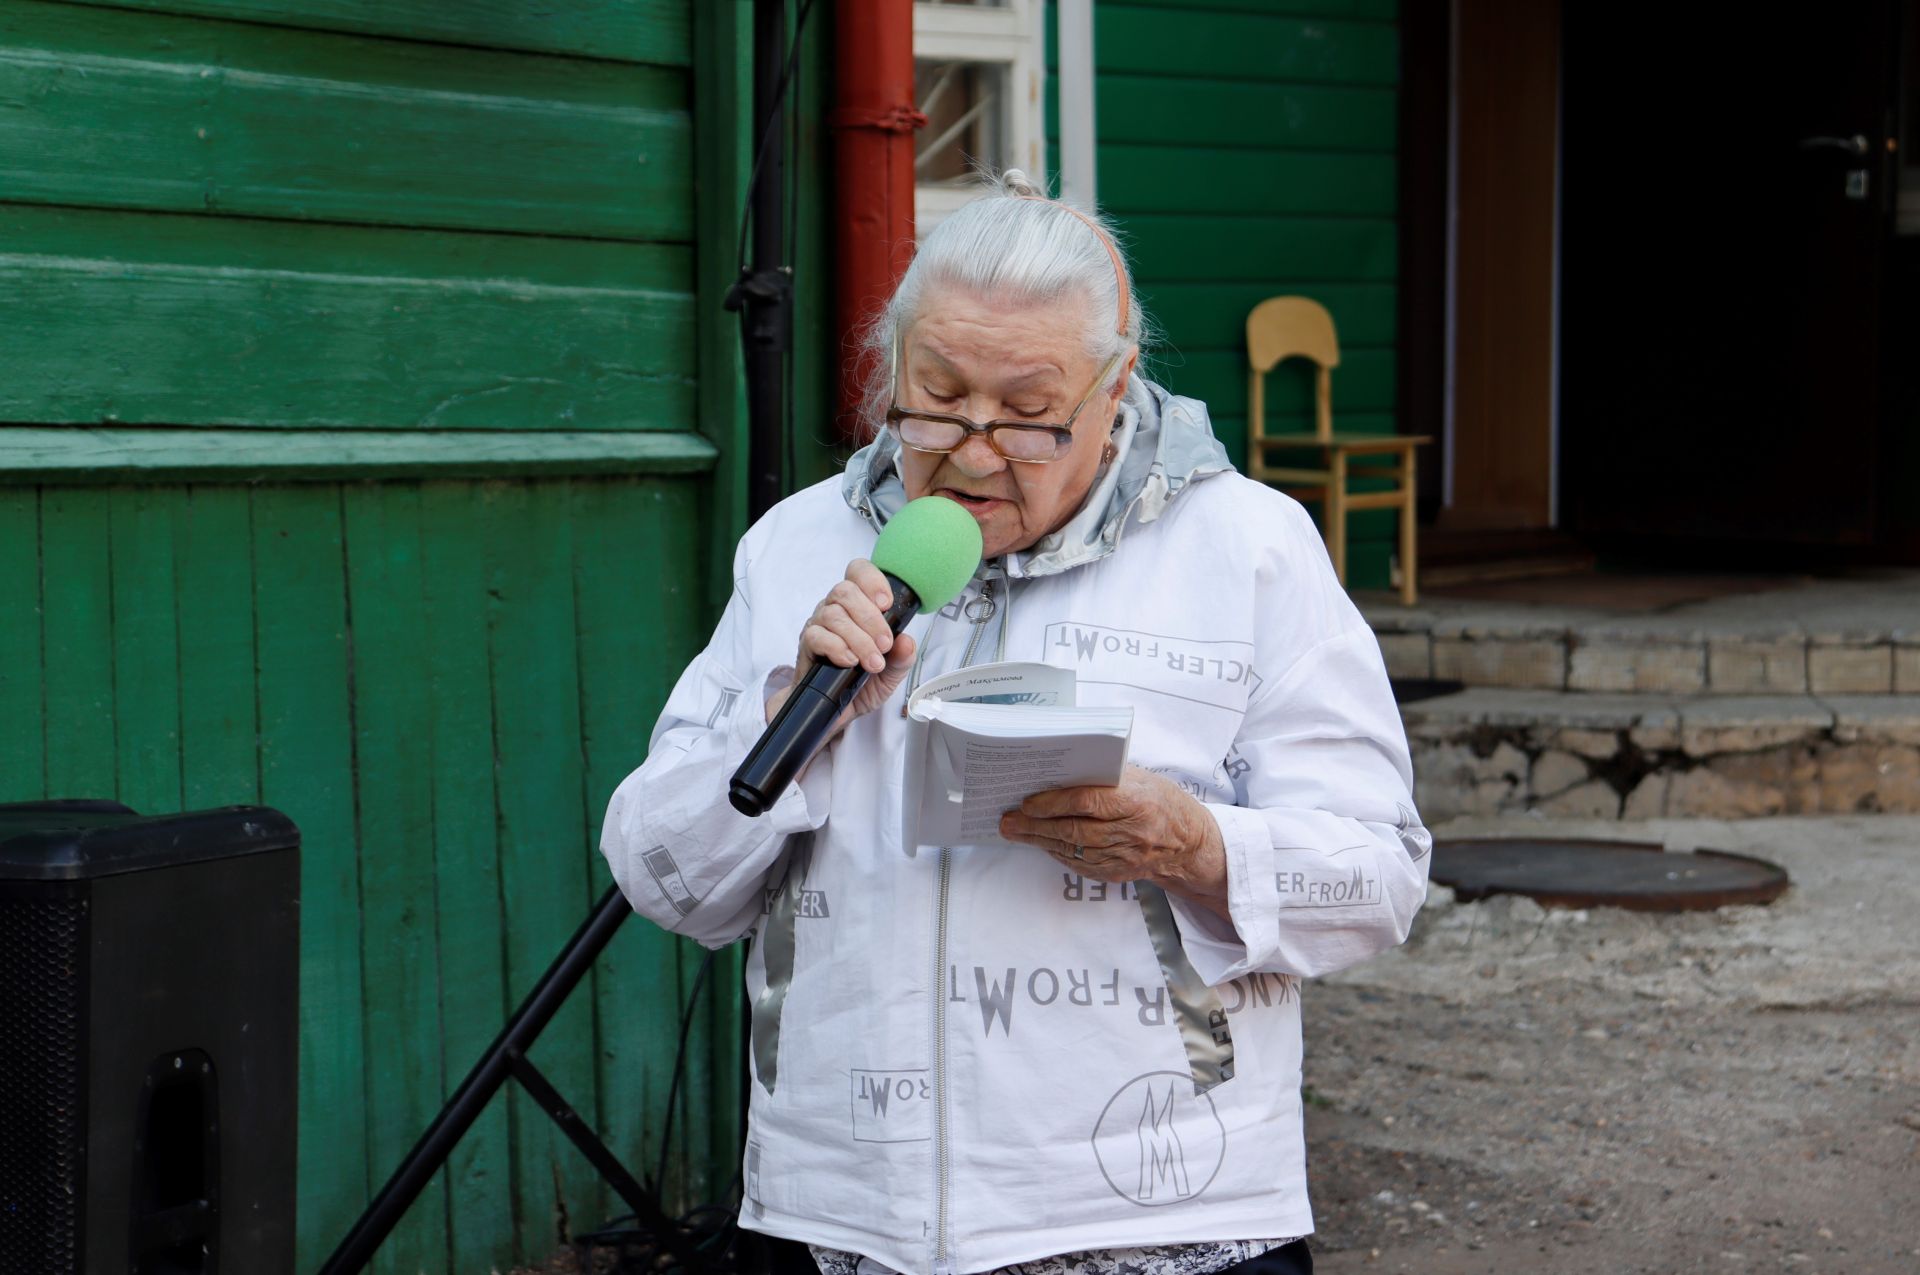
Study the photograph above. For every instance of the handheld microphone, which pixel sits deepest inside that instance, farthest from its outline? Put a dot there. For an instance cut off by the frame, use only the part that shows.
(928, 551)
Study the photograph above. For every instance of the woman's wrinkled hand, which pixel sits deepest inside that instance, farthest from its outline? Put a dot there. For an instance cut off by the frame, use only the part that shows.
(1146, 828)
(850, 628)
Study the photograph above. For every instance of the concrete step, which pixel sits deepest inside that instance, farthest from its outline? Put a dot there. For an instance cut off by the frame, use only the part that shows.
(1854, 636)
(1644, 755)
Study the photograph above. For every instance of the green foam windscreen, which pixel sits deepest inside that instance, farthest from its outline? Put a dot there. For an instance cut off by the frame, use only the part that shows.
(933, 546)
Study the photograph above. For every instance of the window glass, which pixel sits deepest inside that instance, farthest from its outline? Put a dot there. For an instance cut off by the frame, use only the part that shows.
(965, 106)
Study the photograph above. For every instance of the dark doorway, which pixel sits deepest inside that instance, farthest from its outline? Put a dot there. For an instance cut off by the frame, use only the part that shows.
(1727, 202)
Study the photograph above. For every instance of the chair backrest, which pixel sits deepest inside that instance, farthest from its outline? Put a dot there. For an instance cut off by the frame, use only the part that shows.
(1283, 328)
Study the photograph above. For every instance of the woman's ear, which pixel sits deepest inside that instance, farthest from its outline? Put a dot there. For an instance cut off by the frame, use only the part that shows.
(1120, 383)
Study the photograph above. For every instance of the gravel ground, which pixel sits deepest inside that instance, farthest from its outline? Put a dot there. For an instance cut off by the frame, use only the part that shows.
(1545, 1092)
(1525, 1090)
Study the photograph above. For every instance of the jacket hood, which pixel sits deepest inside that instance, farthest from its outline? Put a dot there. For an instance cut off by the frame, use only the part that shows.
(1163, 442)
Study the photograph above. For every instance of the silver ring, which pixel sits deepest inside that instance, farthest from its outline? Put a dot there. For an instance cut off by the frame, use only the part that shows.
(1080, 853)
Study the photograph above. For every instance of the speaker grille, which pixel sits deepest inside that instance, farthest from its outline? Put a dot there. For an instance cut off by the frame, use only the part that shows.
(41, 1003)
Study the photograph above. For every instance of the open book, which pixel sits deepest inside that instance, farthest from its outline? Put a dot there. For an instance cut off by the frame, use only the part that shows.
(982, 739)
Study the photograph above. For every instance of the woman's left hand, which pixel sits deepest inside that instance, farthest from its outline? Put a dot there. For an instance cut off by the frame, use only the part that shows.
(1145, 829)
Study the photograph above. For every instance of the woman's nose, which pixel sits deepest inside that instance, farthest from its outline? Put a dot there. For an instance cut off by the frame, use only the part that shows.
(976, 458)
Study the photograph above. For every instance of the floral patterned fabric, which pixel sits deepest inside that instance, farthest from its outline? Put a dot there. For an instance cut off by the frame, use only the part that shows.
(1159, 1259)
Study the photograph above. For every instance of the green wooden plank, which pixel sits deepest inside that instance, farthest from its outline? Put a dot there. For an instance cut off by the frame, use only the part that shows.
(219, 721)
(1231, 429)
(1146, 110)
(23, 745)
(1197, 316)
(1363, 384)
(306, 770)
(117, 242)
(1233, 424)
(709, 1128)
(820, 450)
(717, 1082)
(1300, 250)
(1361, 10)
(723, 115)
(1367, 562)
(723, 108)
(1167, 41)
(473, 1002)
(146, 648)
(627, 30)
(103, 338)
(131, 110)
(1201, 179)
(72, 453)
(639, 620)
(690, 1169)
(544, 869)
(77, 633)
(398, 920)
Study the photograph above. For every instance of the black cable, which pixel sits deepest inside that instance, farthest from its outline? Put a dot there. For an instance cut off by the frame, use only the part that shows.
(766, 131)
(636, 1251)
(679, 1068)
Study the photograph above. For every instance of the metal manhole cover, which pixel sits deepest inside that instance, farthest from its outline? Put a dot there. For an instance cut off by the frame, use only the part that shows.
(1641, 876)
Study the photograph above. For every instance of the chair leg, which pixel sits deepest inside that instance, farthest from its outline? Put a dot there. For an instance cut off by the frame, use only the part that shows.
(1337, 516)
(1408, 560)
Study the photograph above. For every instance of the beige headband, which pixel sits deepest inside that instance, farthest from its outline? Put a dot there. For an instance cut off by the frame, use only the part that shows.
(1119, 267)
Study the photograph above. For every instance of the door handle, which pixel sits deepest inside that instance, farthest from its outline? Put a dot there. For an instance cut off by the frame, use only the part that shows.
(1855, 145)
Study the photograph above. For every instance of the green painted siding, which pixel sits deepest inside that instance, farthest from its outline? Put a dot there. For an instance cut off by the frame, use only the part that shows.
(132, 318)
(1248, 148)
(361, 455)
(446, 680)
(159, 112)
(657, 31)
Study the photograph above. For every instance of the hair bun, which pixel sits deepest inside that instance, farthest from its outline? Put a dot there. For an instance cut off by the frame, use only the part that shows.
(1017, 183)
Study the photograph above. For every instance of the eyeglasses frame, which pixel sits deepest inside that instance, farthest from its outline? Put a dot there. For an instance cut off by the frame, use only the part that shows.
(1062, 432)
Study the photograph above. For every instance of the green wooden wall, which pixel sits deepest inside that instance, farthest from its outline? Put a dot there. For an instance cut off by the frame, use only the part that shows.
(363, 453)
(1248, 148)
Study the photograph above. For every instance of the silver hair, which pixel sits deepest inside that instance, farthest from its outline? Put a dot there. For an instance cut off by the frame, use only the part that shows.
(1017, 246)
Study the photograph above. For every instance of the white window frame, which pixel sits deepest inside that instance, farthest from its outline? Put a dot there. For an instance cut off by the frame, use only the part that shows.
(1009, 35)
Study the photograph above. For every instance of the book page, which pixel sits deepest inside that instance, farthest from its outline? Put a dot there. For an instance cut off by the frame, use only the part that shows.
(984, 762)
(1011, 682)
(1008, 682)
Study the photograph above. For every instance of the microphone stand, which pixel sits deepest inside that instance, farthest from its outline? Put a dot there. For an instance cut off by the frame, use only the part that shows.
(507, 1058)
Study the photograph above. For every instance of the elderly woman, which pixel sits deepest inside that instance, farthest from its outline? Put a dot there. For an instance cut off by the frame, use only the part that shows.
(1080, 1052)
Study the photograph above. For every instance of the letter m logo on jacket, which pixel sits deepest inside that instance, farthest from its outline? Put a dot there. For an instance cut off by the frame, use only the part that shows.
(1163, 1162)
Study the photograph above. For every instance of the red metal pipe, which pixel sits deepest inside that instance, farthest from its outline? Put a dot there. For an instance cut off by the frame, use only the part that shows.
(873, 120)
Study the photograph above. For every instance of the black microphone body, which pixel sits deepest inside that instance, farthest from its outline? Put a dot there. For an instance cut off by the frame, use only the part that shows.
(796, 731)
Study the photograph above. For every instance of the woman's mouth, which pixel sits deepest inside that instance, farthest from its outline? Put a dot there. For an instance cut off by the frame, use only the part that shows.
(977, 504)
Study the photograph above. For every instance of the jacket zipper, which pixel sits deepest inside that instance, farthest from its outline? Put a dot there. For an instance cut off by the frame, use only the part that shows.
(980, 625)
(942, 1260)
(942, 1263)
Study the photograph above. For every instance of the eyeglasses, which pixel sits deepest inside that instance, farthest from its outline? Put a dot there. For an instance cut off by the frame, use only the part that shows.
(1029, 442)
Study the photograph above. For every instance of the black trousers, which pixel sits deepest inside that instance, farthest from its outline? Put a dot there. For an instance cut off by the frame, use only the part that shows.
(1288, 1259)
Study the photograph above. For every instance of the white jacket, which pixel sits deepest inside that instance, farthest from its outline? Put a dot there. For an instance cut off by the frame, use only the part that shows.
(967, 1057)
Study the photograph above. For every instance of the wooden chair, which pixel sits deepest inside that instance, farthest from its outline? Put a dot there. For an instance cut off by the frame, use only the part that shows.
(1286, 327)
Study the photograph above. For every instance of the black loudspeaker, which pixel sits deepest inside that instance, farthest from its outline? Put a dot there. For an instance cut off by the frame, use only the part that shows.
(149, 993)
